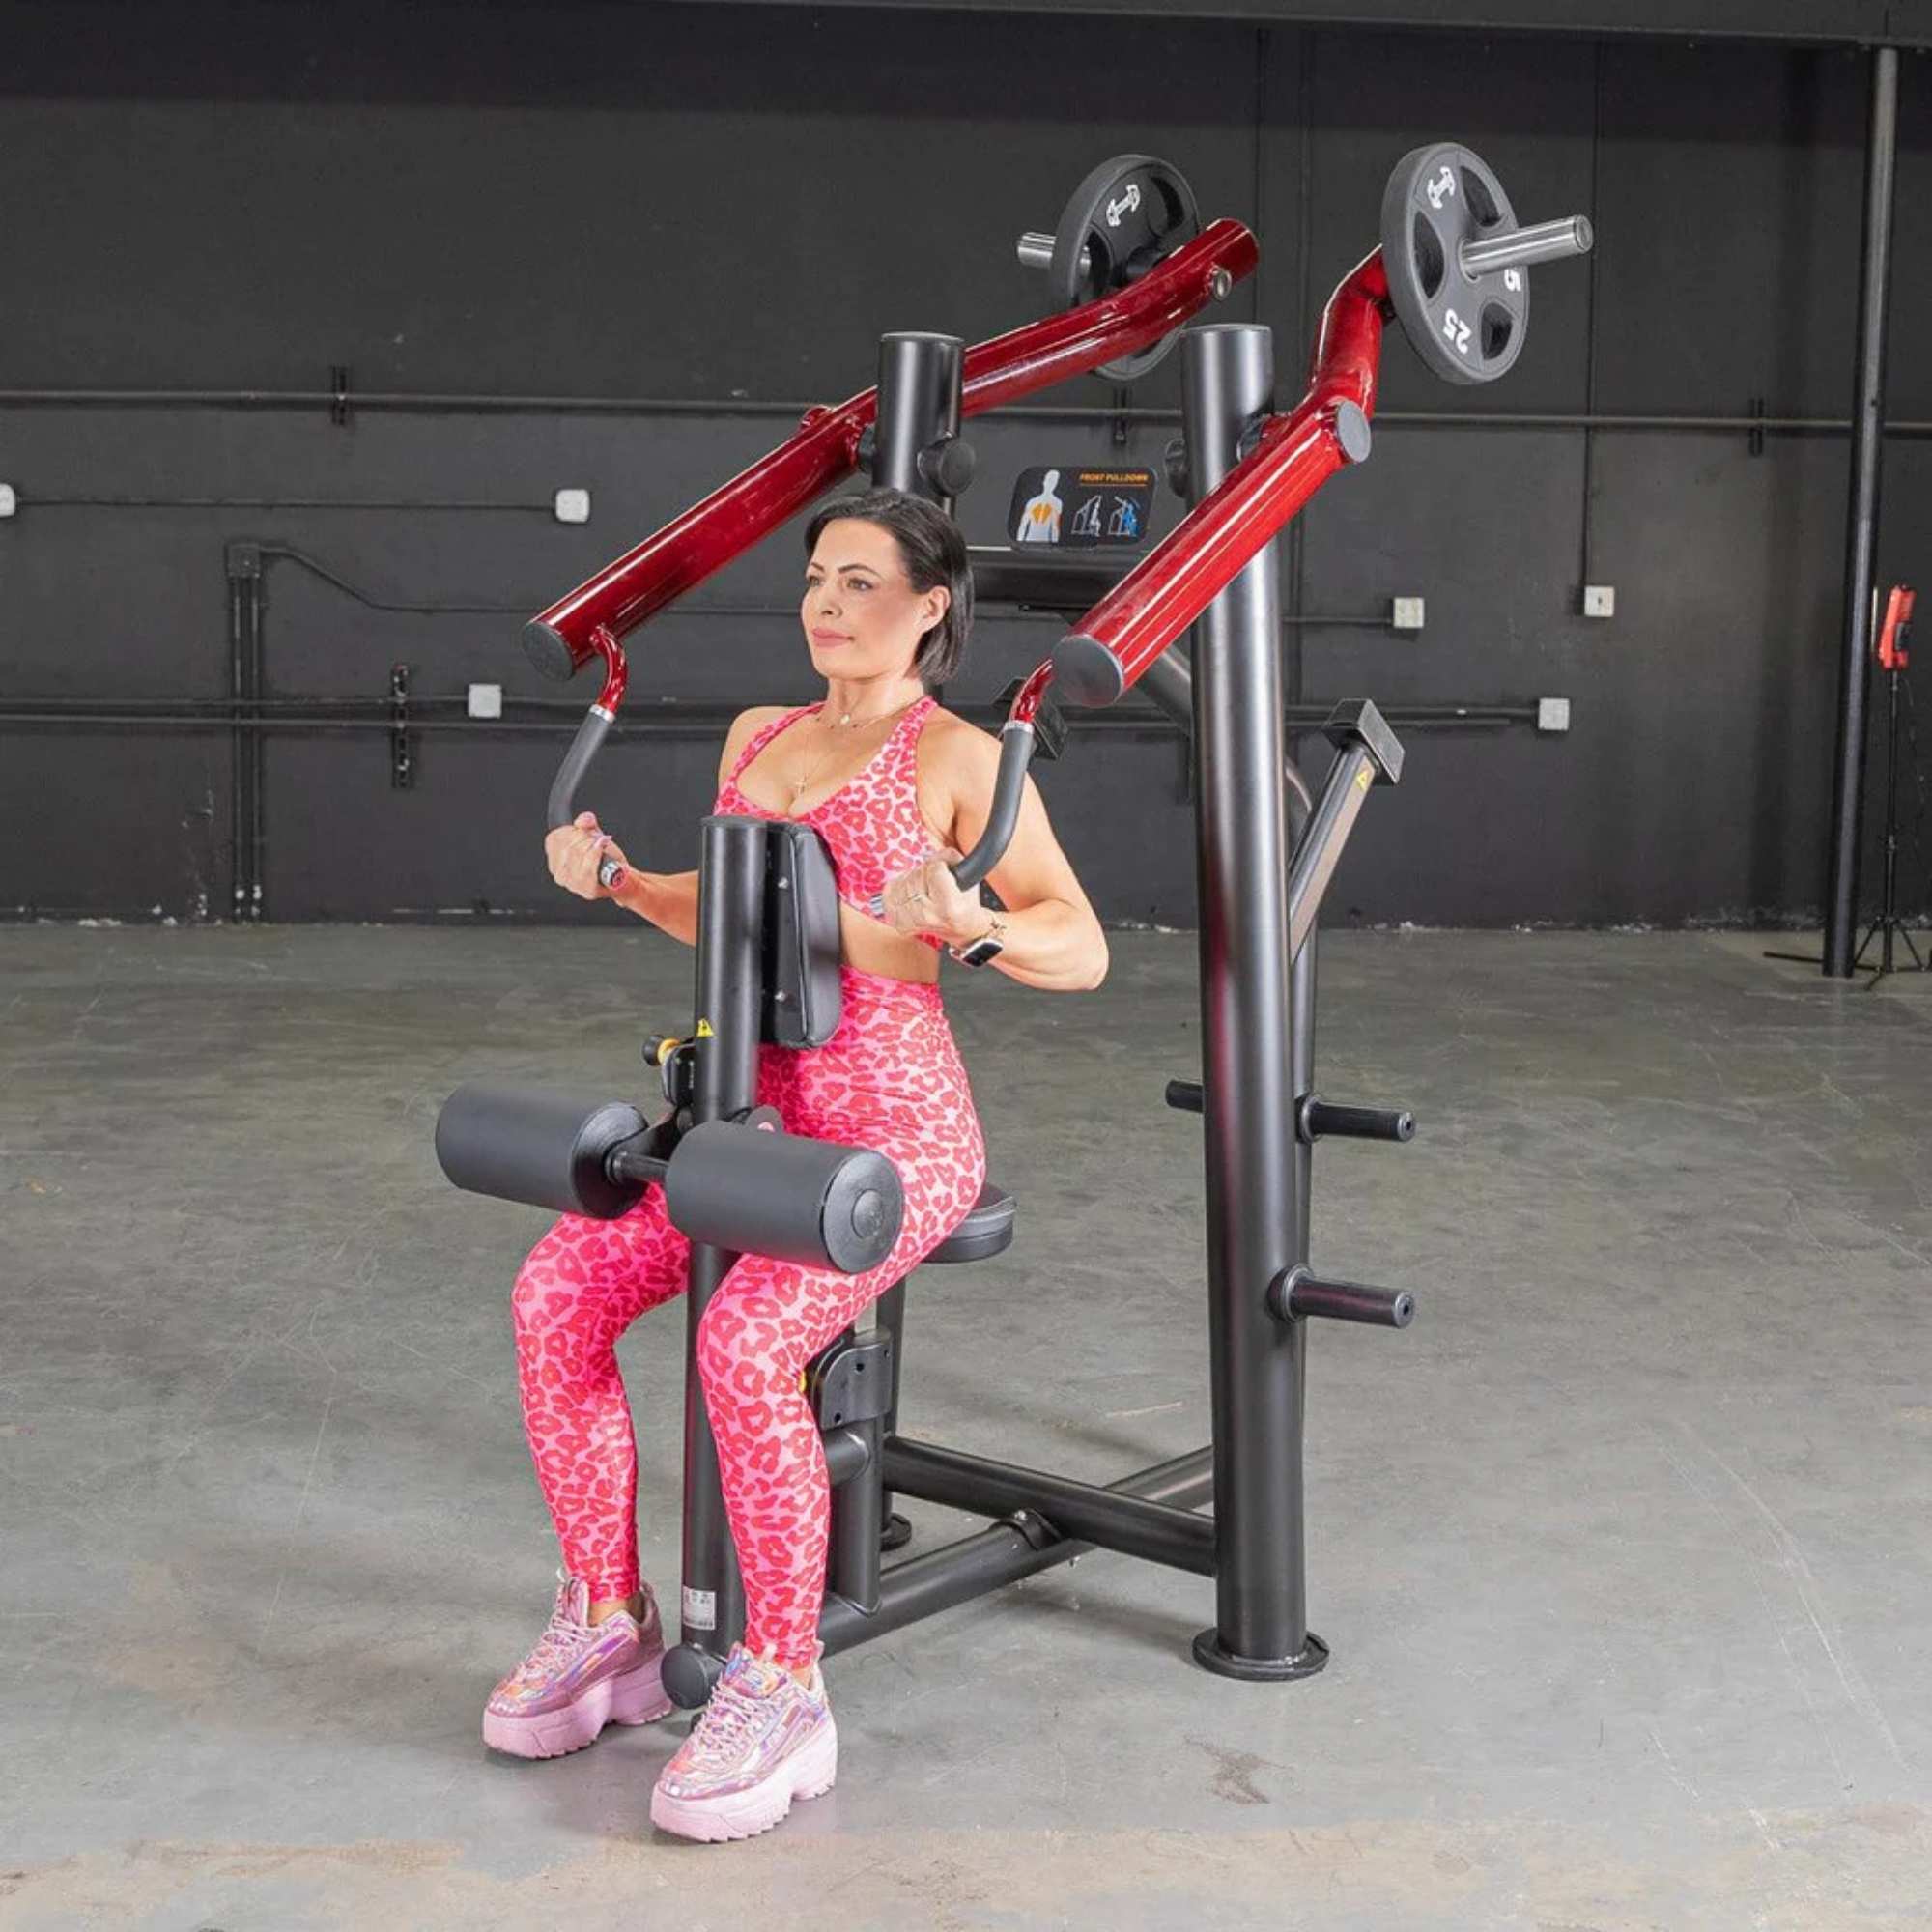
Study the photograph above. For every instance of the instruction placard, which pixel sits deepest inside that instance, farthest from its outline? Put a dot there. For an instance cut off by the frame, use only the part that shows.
(1067, 507)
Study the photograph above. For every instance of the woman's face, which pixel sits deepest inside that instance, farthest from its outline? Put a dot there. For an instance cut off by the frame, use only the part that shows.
(862, 616)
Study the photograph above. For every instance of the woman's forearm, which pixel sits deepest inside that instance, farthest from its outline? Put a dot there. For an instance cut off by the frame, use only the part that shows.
(669, 900)
(1053, 945)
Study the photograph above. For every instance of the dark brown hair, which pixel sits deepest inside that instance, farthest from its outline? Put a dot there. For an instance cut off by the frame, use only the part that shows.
(934, 553)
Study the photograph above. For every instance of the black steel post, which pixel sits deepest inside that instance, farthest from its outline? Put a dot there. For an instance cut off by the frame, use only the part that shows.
(245, 690)
(1249, 1059)
(889, 1318)
(858, 1522)
(730, 942)
(1847, 766)
(919, 378)
(916, 446)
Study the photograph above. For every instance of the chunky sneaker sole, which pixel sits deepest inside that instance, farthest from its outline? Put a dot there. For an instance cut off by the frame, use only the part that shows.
(636, 1698)
(809, 1772)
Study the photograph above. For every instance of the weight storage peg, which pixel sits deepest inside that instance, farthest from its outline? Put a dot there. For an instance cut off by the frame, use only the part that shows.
(1458, 264)
(1295, 1292)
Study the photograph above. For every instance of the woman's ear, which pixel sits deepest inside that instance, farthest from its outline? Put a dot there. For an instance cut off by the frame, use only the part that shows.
(938, 601)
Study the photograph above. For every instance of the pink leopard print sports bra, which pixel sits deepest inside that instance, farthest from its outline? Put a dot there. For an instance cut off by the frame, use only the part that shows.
(872, 823)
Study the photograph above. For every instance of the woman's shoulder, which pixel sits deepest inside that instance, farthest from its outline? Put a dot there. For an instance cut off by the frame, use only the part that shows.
(749, 724)
(760, 714)
(954, 736)
(958, 763)
(953, 746)
(746, 727)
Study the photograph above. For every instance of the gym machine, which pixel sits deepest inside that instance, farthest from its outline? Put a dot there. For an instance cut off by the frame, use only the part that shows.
(1132, 265)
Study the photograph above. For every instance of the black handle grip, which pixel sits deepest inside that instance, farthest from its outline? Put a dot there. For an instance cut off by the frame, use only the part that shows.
(1184, 1095)
(562, 806)
(1016, 747)
(1016, 742)
(585, 747)
(1360, 1124)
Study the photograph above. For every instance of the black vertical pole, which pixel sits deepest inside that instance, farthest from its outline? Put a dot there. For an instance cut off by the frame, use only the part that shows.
(1247, 1055)
(1848, 769)
(243, 562)
(730, 942)
(920, 378)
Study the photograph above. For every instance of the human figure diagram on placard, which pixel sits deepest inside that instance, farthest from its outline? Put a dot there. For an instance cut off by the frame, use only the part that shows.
(1040, 520)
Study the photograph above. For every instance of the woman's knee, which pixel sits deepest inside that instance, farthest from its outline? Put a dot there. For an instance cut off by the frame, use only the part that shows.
(751, 1343)
(583, 1267)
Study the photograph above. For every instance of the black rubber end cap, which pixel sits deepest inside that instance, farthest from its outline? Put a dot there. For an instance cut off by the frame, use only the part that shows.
(549, 652)
(1353, 432)
(1087, 672)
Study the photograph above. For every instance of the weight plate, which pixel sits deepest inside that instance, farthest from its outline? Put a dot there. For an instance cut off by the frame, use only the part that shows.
(1126, 215)
(1469, 328)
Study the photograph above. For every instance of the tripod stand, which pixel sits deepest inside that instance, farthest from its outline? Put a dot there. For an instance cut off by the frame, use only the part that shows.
(1892, 661)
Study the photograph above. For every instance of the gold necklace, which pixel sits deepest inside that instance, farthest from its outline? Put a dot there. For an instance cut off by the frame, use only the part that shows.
(801, 786)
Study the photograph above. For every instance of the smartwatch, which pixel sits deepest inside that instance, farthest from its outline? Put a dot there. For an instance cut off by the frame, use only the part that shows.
(989, 947)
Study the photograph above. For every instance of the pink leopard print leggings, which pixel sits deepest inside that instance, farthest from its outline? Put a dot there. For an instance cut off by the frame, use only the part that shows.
(890, 1078)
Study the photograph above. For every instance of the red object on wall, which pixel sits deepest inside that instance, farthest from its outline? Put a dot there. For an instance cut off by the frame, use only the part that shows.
(1892, 652)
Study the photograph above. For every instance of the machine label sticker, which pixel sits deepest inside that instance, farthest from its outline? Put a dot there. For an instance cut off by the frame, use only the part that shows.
(1075, 508)
(700, 1609)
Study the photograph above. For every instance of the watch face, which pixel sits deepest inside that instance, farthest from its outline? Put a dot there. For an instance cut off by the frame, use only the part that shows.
(980, 951)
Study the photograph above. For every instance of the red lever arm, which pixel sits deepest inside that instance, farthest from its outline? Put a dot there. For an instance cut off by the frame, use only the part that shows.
(728, 521)
(1294, 456)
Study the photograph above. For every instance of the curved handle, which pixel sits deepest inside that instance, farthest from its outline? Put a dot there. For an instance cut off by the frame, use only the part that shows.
(1016, 749)
(562, 806)
(585, 747)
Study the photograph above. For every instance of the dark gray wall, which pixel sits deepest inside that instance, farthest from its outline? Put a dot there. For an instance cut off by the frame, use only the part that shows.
(686, 203)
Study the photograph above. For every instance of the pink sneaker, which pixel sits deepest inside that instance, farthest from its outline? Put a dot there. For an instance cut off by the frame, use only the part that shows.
(577, 1679)
(761, 1741)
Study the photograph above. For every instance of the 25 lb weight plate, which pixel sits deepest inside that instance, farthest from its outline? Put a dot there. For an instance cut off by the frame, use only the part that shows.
(1466, 323)
(1126, 215)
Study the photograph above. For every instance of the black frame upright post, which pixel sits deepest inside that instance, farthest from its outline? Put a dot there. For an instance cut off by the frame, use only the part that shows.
(1847, 766)
(1249, 1056)
(921, 376)
(730, 948)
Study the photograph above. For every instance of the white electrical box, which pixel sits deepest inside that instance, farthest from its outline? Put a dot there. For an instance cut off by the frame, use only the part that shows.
(1407, 614)
(486, 701)
(1599, 599)
(1552, 714)
(9, 504)
(573, 506)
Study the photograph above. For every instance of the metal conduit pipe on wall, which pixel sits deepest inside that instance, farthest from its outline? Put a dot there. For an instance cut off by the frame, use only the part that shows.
(1699, 422)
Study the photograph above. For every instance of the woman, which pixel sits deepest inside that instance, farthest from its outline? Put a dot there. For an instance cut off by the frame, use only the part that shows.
(898, 788)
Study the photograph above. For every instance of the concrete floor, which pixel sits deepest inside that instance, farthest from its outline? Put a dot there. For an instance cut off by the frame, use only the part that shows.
(1624, 1550)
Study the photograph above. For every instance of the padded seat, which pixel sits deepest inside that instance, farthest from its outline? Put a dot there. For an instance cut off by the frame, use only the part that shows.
(987, 1229)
